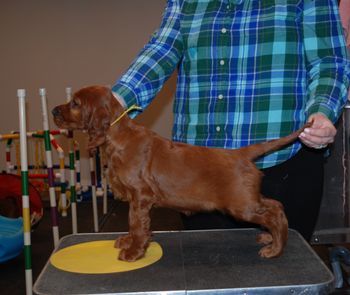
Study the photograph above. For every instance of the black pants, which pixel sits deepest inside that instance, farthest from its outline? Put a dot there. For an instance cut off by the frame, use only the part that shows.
(296, 183)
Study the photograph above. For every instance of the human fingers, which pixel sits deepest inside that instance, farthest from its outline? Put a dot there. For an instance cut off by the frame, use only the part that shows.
(316, 143)
(327, 131)
(320, 134)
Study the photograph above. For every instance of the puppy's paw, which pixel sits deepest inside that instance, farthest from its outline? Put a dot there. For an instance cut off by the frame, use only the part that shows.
(123, 242)
(270, 251)
(264, 238)
(131, 254)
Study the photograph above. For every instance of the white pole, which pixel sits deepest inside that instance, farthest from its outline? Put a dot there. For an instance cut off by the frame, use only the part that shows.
(63, 196)
(68, 93)
(72, 168)
(51, 177)
(25, 192)
(105, 190)
(93, 191)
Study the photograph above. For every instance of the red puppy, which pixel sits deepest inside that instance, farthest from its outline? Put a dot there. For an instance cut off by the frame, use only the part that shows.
(147, 170)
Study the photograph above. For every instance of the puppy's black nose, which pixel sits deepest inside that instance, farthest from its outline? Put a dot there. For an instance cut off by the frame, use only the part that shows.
(56, 111)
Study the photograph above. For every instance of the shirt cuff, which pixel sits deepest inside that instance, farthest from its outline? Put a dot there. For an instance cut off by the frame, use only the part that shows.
(128, 96)
(126, 93)
(323, 109)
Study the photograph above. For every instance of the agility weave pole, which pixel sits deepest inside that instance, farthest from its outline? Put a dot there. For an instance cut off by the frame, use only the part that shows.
(104, 173)
(61, 175)
(101, 183)
(105, 189)
(99, 190)
(73, 195)
(92, 174)
(25, 193)
(8, 156)
(77, 170)
(74, 166)
(51, 180)
(93, 192)
(63, 198)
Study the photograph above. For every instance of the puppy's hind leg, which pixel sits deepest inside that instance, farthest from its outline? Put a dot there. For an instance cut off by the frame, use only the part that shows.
(265, 237)
(270, 216)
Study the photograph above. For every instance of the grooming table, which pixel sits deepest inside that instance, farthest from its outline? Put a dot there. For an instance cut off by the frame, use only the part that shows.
(200, 262)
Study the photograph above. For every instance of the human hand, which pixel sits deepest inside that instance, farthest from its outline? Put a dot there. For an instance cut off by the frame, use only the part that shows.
(320, 134)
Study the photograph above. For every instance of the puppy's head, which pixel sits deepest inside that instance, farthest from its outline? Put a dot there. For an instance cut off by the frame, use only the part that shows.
(92, 109)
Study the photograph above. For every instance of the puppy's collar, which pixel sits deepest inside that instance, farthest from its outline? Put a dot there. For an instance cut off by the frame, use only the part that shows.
(133, 107)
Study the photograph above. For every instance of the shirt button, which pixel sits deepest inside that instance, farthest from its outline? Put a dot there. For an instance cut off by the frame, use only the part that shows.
(223, 30)
(220, 96)
(222, 62)
(218, 128)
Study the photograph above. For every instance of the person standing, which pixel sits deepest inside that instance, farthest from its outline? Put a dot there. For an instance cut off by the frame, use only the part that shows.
(250, 71)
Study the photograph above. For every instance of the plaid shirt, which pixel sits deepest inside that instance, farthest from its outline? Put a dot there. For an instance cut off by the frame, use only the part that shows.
(248, 70)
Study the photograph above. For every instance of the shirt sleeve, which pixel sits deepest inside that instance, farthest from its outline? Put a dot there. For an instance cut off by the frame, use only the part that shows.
(155, 63)
(327, 60)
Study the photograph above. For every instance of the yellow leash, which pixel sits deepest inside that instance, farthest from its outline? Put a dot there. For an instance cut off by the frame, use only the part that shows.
(133, 107)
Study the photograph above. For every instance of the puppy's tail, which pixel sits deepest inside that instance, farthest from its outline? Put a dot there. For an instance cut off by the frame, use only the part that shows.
(259, 149)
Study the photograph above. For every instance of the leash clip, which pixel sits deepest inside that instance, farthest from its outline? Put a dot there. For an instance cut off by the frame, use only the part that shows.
(133, 107)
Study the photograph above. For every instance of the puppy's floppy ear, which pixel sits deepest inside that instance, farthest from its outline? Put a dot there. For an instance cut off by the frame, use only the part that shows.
(98, 128)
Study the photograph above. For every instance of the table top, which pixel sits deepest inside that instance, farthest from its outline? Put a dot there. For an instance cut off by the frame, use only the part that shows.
(200, 262)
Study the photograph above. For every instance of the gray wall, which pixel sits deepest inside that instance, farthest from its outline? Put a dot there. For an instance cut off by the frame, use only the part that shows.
(55, 44)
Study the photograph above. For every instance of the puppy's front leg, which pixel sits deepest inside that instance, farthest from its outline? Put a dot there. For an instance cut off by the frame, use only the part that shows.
(136, 242)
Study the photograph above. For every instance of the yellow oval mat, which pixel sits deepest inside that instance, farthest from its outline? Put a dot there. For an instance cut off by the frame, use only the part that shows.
(100, 257)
